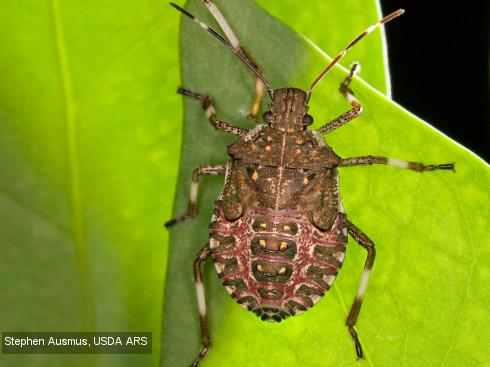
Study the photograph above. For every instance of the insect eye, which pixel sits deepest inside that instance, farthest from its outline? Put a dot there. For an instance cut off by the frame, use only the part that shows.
(250, 169)
(307, 120)
(267, 116)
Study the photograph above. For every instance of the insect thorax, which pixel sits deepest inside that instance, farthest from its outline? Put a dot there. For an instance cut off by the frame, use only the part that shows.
(282, 170)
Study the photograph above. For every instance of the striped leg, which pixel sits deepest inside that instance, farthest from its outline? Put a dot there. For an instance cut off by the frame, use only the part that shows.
(365, 242)
(201, 302)
(356, 109)
(192, 207)
(372, 159)
(207, 105)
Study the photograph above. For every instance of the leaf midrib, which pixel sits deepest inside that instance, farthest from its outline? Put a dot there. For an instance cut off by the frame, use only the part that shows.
(76, 199)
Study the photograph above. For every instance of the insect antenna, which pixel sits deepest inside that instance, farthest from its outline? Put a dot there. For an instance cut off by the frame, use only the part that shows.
(352, 44)
(237, 51)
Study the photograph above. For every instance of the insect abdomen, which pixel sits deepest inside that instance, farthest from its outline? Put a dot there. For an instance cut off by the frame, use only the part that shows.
(276, 263)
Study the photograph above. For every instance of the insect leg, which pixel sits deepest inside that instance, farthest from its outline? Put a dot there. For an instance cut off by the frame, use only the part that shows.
(201, 302)
(356, 109)
(192, 207)
(208, 106)
(368, 244)
(372, 159)
(259, 93)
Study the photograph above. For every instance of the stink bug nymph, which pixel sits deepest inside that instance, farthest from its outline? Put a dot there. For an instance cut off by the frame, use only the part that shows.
(279, 230)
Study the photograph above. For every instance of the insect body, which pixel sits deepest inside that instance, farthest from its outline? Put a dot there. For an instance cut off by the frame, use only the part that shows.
(278, 234)
(279, 230)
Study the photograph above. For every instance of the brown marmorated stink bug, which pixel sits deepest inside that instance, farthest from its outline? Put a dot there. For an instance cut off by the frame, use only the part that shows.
(279, 230)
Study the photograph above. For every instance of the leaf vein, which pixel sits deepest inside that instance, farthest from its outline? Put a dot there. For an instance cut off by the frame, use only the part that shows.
(25, 206)
(125, 53)
(76, 200)
(470, 276)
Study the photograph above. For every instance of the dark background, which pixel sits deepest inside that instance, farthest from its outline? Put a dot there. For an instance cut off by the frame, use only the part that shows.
(439, 67)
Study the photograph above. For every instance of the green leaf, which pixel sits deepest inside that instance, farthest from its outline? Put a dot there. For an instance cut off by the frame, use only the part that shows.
(426, 301)
(89, 130)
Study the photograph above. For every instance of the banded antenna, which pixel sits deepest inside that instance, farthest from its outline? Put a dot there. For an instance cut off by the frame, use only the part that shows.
(352, 44)
(236, 50)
